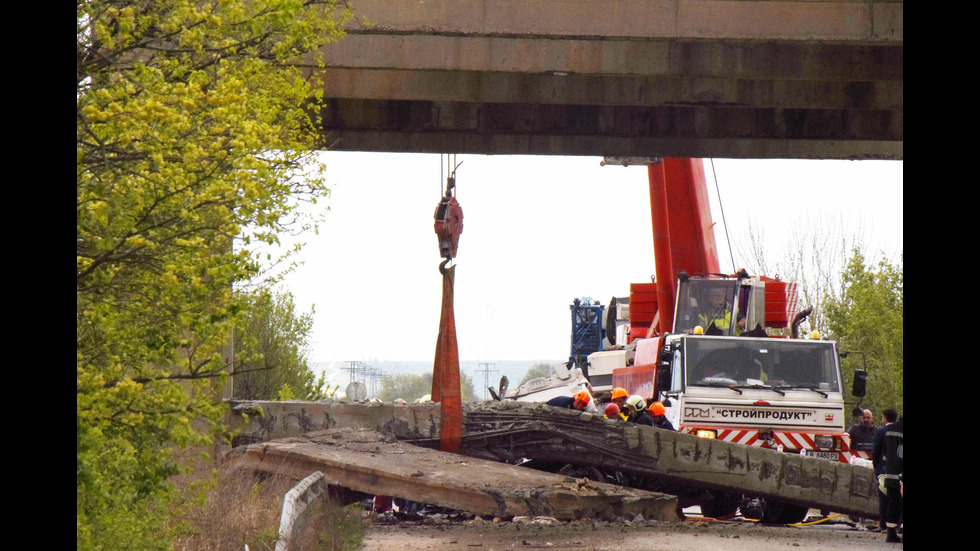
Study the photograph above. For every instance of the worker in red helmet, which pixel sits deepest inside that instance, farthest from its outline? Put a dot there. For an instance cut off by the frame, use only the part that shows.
(612, 412)
(659, 415)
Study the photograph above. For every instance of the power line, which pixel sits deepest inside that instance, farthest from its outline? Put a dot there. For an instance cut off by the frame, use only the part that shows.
(367, 374)
(486, 376)
(353, 370)
(722, 209)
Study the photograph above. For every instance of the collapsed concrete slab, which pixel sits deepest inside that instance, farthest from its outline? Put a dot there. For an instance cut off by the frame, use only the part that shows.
(508, 431)
(366, 461)
(261, 421)
(535, 431)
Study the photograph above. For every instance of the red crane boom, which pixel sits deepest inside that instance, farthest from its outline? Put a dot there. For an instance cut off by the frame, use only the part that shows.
(682, 240)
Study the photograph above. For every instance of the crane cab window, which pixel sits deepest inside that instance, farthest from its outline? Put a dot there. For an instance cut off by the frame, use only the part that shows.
(705, 302)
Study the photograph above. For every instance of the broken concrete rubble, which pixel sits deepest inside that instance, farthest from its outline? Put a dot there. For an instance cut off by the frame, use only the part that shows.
(509, 431)
(366, 461)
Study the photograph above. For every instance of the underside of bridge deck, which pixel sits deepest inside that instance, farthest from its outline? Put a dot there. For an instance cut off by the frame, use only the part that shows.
(718, 78)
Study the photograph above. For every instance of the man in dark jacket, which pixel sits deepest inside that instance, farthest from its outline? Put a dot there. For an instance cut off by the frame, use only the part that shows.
(658, 413)
(863, 434)
(888, 417)
(636, 411)
(581, 401)
(894, 467)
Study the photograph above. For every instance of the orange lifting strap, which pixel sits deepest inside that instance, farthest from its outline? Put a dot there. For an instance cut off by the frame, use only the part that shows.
(445, 371)
(445, 368)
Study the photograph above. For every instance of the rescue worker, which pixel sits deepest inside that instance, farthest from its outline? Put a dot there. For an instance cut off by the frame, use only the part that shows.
(636, 411)
(581, 401)
(584, 402)
(612, 412)
(619, 396)
(888, 418)
(562, 402)
(891, 480)
(659, 416)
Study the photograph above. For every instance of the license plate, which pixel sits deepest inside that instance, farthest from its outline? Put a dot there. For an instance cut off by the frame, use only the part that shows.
(833, 456)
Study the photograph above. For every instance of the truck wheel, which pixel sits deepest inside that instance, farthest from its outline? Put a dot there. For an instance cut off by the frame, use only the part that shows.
(720, 505)
(794, 514)
(784, 513)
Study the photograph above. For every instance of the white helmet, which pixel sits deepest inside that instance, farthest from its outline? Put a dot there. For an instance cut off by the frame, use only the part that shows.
(636, 402)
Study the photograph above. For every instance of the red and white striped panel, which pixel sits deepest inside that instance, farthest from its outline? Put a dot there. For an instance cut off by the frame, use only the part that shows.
(741, 436)
(791, 441)
(794, 440)
(863, 454)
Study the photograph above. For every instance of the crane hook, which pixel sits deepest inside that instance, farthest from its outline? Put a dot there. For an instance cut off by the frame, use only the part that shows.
(448, 221)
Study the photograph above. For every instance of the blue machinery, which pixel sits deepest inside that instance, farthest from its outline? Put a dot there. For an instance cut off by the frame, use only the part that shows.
(587, 331)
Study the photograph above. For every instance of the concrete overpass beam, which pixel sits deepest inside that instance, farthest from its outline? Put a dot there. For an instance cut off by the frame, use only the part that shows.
(690, 78)
(703, 19)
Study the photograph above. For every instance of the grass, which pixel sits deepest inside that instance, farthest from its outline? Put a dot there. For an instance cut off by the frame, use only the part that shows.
(223, 509)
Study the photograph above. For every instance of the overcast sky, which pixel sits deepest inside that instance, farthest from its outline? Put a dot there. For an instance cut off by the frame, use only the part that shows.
(538, 232)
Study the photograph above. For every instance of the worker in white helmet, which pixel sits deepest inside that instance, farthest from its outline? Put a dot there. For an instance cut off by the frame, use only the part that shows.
(636, 411)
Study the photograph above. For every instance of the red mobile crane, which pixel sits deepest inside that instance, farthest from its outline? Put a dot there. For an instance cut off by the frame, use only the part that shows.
(700, 344)
(713, 364)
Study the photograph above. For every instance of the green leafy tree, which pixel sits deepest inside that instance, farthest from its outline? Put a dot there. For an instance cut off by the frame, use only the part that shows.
(413, 387)
(271, 350)
(868, 317)
(467, 391)
(406, 387)
(194, 142)
(814, 257)
(535, 371)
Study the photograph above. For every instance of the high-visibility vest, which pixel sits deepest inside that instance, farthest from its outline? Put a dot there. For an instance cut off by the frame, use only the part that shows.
(721, 322)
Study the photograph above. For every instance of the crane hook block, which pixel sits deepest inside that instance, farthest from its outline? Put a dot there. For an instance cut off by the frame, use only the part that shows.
(448, 225)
